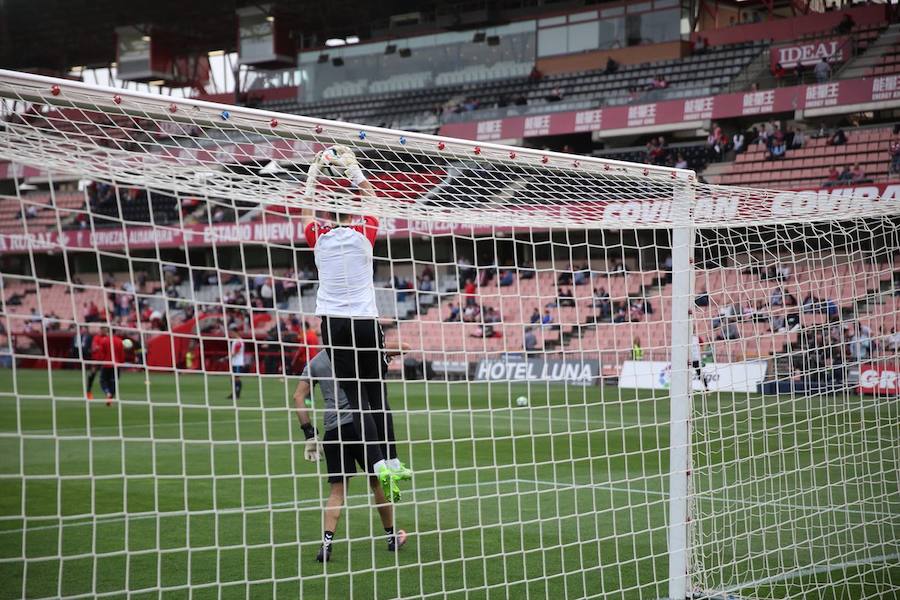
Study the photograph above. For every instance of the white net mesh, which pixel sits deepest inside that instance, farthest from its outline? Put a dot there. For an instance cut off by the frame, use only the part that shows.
(509, 273)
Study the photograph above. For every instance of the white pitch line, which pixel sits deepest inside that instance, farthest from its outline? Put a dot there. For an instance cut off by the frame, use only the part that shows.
(815, 571)
(80, 521)
(756, 503)
(495, 417)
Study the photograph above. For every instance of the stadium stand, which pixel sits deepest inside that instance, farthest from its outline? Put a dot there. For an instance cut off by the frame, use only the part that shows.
(694, 75)
(810, 166)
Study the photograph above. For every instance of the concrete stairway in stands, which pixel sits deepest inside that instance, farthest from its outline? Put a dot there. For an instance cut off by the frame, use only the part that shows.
(714, 170)
(862, 64)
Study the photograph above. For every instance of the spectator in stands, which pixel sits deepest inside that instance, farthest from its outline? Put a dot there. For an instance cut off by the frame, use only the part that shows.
(846, 176)
(779, 73)
(799, 73)
(728, 330)
(822, 70)
(471, 313)
(737, 142)
(810, 303)
(659, 83)
(466, 270)
(547, 319)
(682, 162)
(833, 177)
(507, 278)
(618, 268)
(763, 134)
(582, 275)
(715, 132)
(526, 271)
(861, 343)
(565, 278)
(797, 139)
(469, 292)
(846, 25)
(892, 341)
(701, 45)
(555, 95)
(776, 298)
(894, 152)
(536, 315)
(601, 301)
(565, 297)
(426, 284)
(611, 66)
(29, 212)
(535, 75)
(702, 298)
(858, 174)
(657, 151)
(839, 138)
(777, 149)
(91, 312)
(530, 340)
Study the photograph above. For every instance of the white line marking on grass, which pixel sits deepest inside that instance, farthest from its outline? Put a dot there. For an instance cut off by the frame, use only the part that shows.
(495, 418)
(815, 571)
(76, 521)
(80, 520)
(757, 503)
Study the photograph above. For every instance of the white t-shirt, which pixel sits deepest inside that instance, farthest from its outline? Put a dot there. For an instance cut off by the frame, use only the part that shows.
(238, 356)
(344, 258)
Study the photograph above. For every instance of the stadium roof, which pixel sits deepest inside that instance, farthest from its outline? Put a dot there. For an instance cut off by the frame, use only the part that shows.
(51, 36)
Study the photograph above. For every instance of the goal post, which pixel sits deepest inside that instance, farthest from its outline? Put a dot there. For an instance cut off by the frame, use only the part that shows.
(617, 381)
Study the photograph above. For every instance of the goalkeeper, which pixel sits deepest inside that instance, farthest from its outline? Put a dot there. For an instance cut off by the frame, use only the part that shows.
(343, 450)
(345, 301)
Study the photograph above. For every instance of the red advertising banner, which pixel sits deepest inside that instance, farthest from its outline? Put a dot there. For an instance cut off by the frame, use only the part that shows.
(280, 230)
(275, 230)
(669, 112)
(879, 379)
(835, 50)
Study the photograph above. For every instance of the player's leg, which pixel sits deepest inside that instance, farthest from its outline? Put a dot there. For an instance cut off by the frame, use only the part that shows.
(92, 374)
(339, 342)
(698, 369)
(343, 451)
(373, 370)
(395, 540)
(333, 507)
(108, 383)
(236, 383)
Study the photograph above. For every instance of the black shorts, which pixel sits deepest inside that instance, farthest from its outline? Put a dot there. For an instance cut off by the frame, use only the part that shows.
(343, 451)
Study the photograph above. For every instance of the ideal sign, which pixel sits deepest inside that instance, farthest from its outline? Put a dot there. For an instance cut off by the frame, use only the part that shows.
(834, 50)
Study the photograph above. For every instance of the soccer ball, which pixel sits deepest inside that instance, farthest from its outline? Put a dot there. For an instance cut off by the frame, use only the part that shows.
(127, 344)
(332, 162)
(521, 401)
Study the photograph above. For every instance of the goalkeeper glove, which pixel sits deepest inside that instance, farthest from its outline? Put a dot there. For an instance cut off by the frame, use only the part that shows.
(312, 451)
(341, 159)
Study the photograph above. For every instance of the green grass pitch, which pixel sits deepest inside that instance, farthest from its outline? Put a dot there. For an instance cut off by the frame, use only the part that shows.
(176, 492)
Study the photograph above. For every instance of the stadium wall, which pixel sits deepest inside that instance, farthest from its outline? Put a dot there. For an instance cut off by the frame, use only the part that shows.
(596, 59)
(793, 28)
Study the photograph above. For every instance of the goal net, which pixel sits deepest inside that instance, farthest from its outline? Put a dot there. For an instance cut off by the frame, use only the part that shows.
(614, 381)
